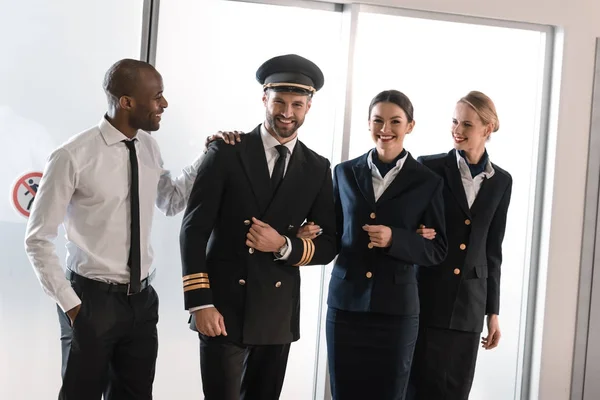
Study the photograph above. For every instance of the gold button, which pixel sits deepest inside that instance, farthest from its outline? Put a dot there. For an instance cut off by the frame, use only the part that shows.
(278, 284)
(463, 246)
(369, 274)
(373, 215)
(467, 222)
(242, 282)
(251, 250)
(456, 271)
(370, 245)
(247, 222)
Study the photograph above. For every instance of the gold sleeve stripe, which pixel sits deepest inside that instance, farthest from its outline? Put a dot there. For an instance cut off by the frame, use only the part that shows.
(198, 286)
(198, 275)
(194, 281)
(311, 251)
(303, 253)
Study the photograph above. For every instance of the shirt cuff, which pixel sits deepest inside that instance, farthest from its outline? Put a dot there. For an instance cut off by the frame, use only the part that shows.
(286, 251)
(191, 310)
(67, 299)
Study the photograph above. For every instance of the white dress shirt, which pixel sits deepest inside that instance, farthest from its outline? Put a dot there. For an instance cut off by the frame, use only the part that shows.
(381, 184)
(472, 184)
(85, 186)
(269, 143)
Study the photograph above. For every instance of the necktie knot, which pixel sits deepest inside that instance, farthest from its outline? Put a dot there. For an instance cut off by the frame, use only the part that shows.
(282, 150)
(279, 169)
(130, 144)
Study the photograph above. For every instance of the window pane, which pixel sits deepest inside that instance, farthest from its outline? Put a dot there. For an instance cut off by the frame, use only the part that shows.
(54, 56)
(435, 63)
(208, 53)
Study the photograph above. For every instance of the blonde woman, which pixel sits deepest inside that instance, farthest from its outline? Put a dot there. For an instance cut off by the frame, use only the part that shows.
(457, 294)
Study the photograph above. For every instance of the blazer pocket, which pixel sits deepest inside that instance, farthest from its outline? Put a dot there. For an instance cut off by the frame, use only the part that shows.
(481, 271)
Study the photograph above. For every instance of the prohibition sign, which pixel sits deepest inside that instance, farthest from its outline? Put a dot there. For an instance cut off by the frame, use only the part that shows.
(24, 191)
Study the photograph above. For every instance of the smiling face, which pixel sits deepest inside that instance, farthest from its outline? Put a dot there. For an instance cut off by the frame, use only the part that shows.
(389, 124)
(147, 102)
(469, 133)
(285, 113)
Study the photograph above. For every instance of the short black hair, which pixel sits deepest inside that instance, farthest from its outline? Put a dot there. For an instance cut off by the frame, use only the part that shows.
(122, 78)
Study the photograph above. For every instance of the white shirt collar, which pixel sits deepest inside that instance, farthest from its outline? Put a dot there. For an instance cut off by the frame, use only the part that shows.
(372, 165)
(110, 134)
(269, 142)
(488, 171)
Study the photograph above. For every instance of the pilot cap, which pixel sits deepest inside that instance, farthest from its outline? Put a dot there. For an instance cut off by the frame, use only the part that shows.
(290, 73)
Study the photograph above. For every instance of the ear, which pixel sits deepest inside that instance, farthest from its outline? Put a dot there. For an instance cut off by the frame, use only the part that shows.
(308, 104)
(411, 126)
(265, 98)
(126, 102)
(489, 128)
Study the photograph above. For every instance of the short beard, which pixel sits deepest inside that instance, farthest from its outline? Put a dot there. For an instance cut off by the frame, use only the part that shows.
(282, 134)
(143, 124)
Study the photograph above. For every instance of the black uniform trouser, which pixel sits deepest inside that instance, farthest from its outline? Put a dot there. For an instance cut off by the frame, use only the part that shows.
(232, 371)
(443, 364)
(112, 346)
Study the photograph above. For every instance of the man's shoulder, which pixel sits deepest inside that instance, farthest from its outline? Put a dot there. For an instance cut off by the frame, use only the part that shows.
(82, 144)
(312, 157)
(224, 149)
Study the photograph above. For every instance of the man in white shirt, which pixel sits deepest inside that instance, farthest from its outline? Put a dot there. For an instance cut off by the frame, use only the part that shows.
(103, 184)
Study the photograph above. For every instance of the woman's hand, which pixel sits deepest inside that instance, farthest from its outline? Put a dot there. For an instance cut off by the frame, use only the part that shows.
(309, 231)
(427, 233)
(493, 338)
(379, 235)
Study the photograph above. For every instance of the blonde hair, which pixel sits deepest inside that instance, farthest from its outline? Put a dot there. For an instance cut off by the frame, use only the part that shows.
(484, 107)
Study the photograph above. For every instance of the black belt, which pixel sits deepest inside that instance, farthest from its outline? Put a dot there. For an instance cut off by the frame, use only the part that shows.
(108, 287)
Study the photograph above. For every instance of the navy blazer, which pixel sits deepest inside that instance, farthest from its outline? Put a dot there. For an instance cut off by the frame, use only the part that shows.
(466, 286)
(375, 279)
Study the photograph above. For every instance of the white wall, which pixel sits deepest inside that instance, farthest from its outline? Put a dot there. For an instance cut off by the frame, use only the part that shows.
(579, 20)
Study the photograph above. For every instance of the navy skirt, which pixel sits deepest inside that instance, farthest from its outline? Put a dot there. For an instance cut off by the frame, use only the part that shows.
(370, 354)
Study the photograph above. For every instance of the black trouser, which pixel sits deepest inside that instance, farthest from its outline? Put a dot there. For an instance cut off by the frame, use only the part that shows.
(232, 371)
(444, 364)
(112, 346)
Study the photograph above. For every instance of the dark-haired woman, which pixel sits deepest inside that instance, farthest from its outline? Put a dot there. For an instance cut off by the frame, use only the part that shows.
(458, 293)
(381, 198)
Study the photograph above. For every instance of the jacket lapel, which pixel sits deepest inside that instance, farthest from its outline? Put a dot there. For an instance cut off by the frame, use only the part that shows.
(455, 182)
(295, 174)
(487, 191)
(402, 181)
(364, 179)
(254, 161)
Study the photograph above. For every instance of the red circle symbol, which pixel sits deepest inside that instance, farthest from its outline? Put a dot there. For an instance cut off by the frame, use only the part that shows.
(28, 190)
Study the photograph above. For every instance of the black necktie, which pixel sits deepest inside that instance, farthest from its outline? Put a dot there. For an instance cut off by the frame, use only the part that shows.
(279, 168)
(134, 261)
